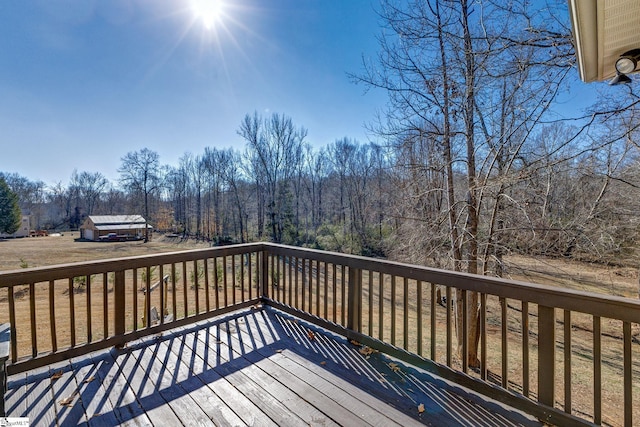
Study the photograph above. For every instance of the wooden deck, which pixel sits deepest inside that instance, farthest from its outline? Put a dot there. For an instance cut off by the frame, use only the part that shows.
(255, 367)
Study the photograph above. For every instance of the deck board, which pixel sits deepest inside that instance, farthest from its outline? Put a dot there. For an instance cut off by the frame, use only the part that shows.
(256, 367)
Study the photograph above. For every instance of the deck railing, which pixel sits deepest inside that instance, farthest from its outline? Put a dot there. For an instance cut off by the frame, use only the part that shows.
(61, 311)
(567, 357)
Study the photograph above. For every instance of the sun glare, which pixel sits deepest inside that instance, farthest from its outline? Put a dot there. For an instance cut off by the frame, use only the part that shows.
(209, 11)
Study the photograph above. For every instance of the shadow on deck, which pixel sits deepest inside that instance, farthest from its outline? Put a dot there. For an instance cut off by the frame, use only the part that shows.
(253, 367)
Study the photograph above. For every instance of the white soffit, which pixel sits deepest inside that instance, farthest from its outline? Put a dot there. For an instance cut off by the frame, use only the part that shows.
(603, 30)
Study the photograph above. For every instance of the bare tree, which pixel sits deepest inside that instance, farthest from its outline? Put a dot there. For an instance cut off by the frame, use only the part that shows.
(275, 149)
(140, 172)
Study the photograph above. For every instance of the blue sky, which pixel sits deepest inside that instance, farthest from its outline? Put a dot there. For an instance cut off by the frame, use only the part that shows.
(83, 82)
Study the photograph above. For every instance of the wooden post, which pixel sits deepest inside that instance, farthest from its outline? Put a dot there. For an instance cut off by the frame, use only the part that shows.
(119, 303)
(354, 319)
(546, 355)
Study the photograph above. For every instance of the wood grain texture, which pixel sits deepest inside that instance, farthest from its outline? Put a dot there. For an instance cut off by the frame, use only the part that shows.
(252, 367)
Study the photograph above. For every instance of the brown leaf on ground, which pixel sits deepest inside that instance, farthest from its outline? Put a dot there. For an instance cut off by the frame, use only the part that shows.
(68, 401)
(421, 408)
(367, 351)
(279, 351)
(311, 334)
(57, 375)
(88, 380)
(394, 367)
(354, 342)
(323, 363)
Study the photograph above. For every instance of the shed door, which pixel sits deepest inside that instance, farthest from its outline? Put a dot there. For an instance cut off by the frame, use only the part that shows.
(88, 233)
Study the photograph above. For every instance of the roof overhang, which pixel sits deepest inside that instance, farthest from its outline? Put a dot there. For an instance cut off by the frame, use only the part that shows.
(603, 30)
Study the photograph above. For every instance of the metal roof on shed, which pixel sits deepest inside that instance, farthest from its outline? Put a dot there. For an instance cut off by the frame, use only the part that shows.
(116, 219)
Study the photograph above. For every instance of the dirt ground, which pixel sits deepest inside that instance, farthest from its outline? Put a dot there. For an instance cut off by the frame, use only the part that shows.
(62, 249)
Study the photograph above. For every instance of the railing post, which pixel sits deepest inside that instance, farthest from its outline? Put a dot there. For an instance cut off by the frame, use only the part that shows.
(119, 303)
(264, 274)
(354, 318)
(546, 355)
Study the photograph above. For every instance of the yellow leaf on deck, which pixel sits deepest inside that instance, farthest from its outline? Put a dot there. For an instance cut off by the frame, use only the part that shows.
(394, 367)
(57, 375)
(421, 408)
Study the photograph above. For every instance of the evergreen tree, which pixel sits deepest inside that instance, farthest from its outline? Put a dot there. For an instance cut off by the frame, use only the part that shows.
(10, 214)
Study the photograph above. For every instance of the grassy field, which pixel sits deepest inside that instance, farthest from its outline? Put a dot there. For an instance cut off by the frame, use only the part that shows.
(43, 251)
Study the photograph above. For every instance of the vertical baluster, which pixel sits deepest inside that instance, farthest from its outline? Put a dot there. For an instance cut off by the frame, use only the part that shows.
(628, 374)
(318, 288)
(233, 279)
(207, 294)
(449, 326)
(185, 290)
(393, 310)
(433, 322)
(326, 291)
(304, 286)
(105, 304)
(296, 284)
(292, 285)
(343, 300)
(567, 362)
(135, 299)
(89, 315)
(483, 336)
(597, 370)
(52, 317)
(12, 321)
(72, 313)
(216, 282)
(147, 298)
(419, 316)
(504, 325)
(162, 291)
(225, 284)
(250, 272)
(279, 274)
(273, 278)
(310, 285)
(196, 285)
(465, 331)
(370, 290)
(525, 348)
(174, 299)
(242, 287)
(381, 306)
(335, 293)
(32, 312)
(405, 313)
